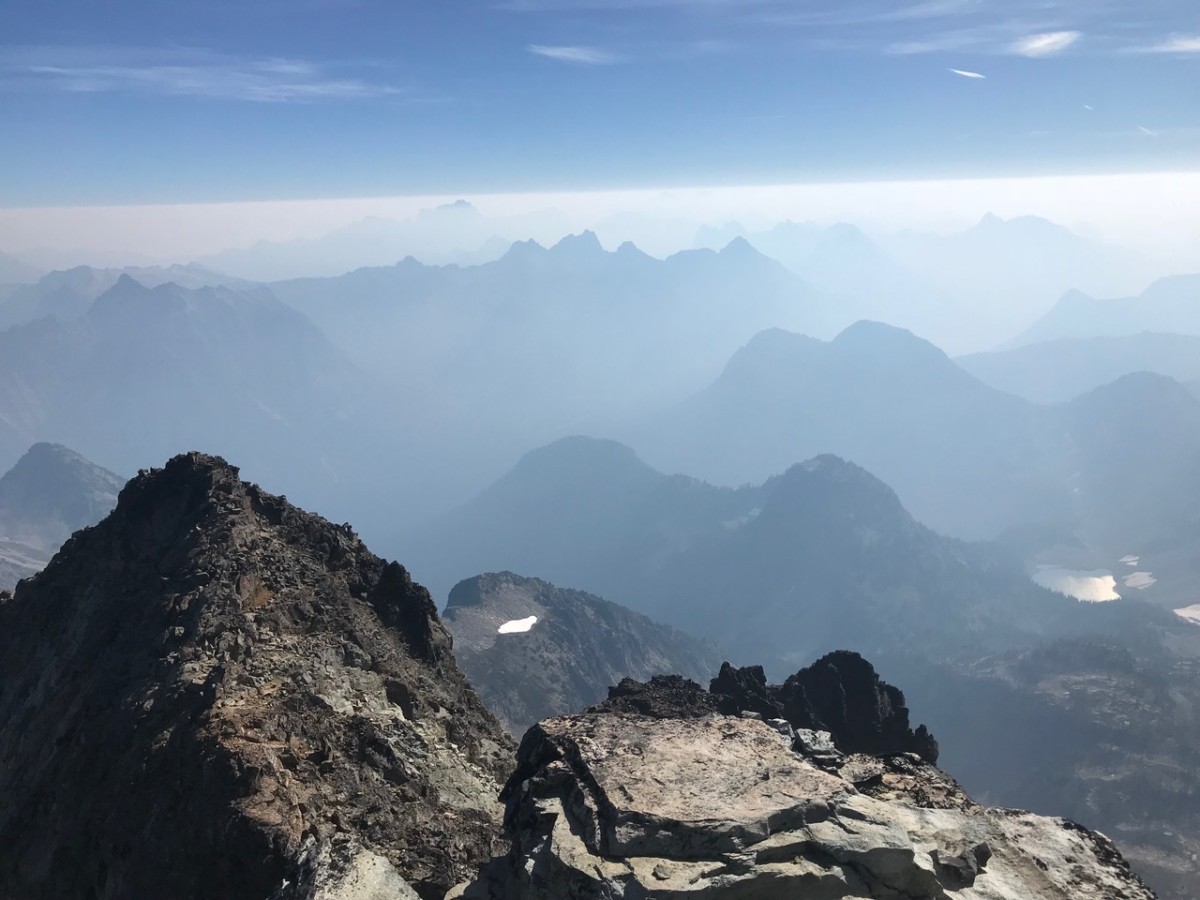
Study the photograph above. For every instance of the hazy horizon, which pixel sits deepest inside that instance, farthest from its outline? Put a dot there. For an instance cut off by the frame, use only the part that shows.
(1149, 212)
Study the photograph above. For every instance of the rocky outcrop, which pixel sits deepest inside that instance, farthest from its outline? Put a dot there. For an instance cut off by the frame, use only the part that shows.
(617, 804)
(840, 693)
(213, 694)
(569, 647)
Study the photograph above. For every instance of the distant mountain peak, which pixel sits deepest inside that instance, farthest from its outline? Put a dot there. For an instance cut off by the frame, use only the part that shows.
(51, 492)
(832, 489)
(740, 248)
(586, 454)
(873, 336)
(631, 250)
(528, 249)
(584, 243)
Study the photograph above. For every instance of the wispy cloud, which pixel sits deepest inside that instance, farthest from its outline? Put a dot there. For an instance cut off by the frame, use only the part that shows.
(179, 72)
(588, 56)
(967, 74)
(1176, 43)
(1146, 131)
(1047, 44)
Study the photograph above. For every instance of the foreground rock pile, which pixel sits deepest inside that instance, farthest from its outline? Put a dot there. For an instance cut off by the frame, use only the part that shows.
(213, 694)
(673, 800)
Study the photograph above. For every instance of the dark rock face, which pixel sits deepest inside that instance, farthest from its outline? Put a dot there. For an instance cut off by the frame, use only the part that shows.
(213, 694)
(840, 693)
(664, 697)
(577, 644)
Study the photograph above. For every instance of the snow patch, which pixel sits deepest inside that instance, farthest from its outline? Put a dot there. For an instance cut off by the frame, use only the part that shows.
(1139, 580)
(518, 626)
(1191, 613)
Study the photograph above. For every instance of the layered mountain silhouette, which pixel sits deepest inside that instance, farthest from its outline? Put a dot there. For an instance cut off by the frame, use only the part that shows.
(868, 281)
(877, 395)
(1045, 478)
(1170, 305)
(558, 333)
(50, 493)
(148, 370)
(68, 294)
(534, 650)
(1003, 274)
(1055, 371)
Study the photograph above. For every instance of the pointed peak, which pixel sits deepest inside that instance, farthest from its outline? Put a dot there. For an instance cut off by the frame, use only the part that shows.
(739, 247)
(586, 242)
(524, 250)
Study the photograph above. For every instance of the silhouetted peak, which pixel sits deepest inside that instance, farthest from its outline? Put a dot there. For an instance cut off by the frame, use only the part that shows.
(586, 456)
(886, 343)
(579, 246)
(1172, 287)
(830, 489)
(741, 250)
(1138, 393)
(528, 249)
(630, 250)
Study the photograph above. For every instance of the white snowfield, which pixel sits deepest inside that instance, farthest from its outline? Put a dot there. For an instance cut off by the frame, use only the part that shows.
(518, 626)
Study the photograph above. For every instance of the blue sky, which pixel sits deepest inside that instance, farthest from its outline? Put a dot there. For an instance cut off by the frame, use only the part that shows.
(137, 101)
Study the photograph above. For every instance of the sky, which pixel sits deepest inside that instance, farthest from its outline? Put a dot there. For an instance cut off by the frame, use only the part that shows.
(133, 102)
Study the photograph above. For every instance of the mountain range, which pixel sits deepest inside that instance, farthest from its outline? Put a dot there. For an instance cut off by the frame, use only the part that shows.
(1058, 370)
(1170, 305)
(879, 396)
(1093, 480)
(454, 233)
(960, 289)
(1003, 274)
(69, 293)
(146, 371)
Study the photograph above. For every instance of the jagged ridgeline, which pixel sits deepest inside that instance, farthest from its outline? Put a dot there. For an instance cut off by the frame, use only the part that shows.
(212, 694)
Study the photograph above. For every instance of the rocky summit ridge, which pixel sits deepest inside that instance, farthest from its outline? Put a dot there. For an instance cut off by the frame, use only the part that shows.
(655, 794)
(213, 694)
